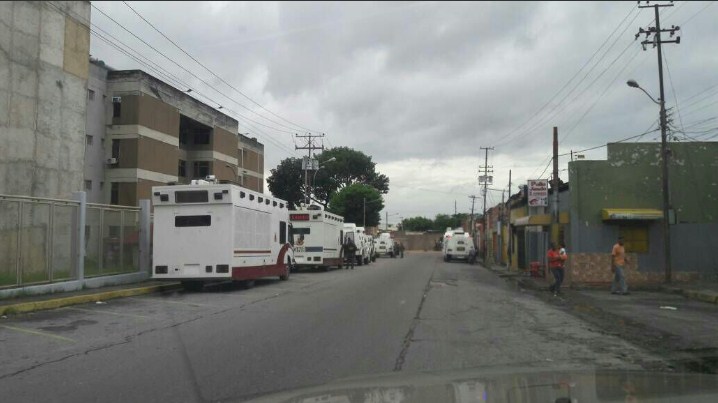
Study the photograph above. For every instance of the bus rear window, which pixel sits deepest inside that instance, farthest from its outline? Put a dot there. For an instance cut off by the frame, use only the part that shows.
(191, 196)
(193, 220)
(300, 231)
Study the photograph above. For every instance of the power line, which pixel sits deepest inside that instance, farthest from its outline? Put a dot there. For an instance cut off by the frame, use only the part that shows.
(188, 71)
(212, 72)
(162, 72)
(555, 111)
(696, 13)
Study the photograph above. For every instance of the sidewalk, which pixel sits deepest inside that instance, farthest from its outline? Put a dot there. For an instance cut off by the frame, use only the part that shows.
(33, 303)
(704, 291)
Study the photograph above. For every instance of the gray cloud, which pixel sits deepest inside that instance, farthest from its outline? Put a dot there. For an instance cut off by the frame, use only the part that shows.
(432, 81)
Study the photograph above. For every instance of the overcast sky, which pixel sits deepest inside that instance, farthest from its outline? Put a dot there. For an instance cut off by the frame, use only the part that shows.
(422, 86)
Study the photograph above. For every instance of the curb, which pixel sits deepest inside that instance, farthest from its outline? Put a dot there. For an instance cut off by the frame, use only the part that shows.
(705, 296)
(25, 307)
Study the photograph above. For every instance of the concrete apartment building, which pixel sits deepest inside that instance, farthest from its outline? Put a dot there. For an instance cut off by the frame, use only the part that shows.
(142, 132)
(43, 85)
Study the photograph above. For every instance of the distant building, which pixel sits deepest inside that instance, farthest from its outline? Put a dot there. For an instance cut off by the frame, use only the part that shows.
(142, 132)
(43, 85)
(621, 196)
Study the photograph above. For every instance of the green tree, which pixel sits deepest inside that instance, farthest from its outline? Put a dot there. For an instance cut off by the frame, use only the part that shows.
(417, 224)
(286, 181)
(349, 203)
(349, 167)
(442, 221)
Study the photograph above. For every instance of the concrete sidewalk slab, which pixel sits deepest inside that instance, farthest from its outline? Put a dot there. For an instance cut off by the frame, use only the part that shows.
(37, 303)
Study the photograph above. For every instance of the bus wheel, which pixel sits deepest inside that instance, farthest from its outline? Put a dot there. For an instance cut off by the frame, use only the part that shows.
(287, 270)
(192, 285)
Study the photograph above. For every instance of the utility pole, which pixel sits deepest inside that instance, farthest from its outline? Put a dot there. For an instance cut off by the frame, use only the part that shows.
(657, 41)
(508, 221)
(473, 224)
(364, 221)
(309, 163)
(485, 179)
(555, 177)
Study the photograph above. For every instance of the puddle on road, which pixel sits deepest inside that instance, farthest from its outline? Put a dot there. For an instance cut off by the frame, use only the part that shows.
(69, 327)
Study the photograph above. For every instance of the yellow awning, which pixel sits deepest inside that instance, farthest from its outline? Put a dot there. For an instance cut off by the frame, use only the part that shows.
(631, 214)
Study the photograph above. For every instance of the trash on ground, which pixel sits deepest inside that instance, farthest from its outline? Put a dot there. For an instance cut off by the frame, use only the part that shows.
(670, 308)
(100, 302)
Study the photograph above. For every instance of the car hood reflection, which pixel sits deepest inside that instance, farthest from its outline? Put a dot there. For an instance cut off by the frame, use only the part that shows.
(510, 385)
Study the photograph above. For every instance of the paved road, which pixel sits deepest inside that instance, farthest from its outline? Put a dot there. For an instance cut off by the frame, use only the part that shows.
(412, 314)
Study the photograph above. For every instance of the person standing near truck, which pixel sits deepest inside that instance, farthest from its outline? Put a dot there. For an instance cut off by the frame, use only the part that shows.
(349, 252)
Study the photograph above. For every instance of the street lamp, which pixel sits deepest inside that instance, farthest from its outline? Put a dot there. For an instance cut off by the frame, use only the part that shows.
(317, 170)
(236, 176)
(664, 169)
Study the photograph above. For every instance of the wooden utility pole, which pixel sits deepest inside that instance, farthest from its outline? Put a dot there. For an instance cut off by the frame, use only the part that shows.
(487, 169)
(657, 41)
(508, 226)
(309, 163)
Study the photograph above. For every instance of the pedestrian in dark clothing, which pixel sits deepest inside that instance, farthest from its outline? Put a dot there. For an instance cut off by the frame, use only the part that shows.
(349, 252)
(401, 249)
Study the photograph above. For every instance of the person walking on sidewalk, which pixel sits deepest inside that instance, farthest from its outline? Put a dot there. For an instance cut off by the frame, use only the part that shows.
(618, 262)
(555, 263)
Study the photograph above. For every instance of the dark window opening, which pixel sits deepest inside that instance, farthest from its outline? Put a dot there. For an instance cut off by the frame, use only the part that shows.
(183, 138)
(91, 94)
(115, 193)
(251, 197)
(193, 221)
(260, 199)
(300, 231)
(282, 232)
(201, 169)
(115, 148)
(116, 109)
(182, 169)
(201, 137)
(241, 195)
(191, 196)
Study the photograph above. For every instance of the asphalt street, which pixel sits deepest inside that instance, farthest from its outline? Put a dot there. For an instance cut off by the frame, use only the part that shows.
(225, 343)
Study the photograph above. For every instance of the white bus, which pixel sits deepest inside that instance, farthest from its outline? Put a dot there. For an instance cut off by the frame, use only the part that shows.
(317, 237)
(208, 232)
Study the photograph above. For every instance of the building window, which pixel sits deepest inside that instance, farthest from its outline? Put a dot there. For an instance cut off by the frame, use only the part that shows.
(116, 107)
(635, 238)
(88, 185)
(115, 193)
(201, 169)
(182, 169)
(115, 148)
(183, 138)
(91, 94)
(102, 185)
(201, 137)
(88, 140)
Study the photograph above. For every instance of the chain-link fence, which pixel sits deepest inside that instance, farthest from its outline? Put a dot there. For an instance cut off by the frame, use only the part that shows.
(40, 240)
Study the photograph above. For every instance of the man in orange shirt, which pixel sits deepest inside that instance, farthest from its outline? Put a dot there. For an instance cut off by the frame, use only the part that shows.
(618, 257)
(555, 263)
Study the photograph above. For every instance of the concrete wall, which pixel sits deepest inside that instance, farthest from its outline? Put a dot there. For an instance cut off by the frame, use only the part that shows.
(631, 178)
(43, 90)
(95, 131)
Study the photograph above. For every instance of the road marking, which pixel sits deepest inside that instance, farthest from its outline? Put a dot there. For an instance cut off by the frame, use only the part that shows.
(130, 315)
(195, 304)
(38, 333)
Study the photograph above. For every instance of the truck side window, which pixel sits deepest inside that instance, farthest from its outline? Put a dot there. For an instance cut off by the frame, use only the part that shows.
(282, 232)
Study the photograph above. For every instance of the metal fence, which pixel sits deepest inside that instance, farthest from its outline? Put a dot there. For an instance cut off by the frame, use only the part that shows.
(45, 240)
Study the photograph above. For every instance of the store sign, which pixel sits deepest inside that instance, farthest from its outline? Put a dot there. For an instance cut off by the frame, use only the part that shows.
(538, 192)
